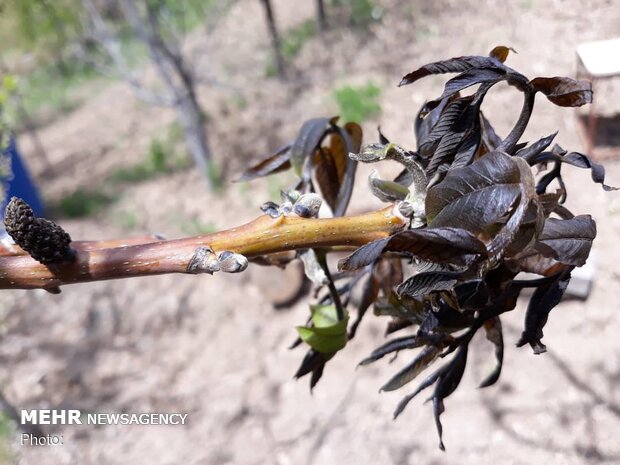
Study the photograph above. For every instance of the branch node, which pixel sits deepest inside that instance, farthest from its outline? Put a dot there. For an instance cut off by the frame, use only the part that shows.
(204, 260)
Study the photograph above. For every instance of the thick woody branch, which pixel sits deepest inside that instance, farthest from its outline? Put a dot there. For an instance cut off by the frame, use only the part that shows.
(265, 235)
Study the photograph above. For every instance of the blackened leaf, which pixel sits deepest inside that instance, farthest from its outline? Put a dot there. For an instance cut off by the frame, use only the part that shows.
(563, 91)
(425, 122)
(448, 381)
(313, 362)
(567, 241)
(446, 121)
(500, 53)
(475, 196)
(382, 139)
(537, 147)
(310, 135)
(453, 65)
(527, 198)
(493, 329)
(423, 283)
(428, 381)
(489, 136)
(469, 147)
(575, 159)
(544, 299)
(442, 245)
(395, 345)
(426, 356)
(279, 161)
(465, 80)
(369, 295)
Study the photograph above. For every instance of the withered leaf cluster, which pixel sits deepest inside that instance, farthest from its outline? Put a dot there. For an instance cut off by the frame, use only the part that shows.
(492, 208)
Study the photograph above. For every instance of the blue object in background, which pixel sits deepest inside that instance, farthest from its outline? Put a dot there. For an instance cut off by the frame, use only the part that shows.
(21, 184)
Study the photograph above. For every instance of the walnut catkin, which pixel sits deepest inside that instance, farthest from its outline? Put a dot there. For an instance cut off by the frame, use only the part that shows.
(43, 239)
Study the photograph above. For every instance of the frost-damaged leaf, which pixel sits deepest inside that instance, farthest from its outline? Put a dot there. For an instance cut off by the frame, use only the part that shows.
(567, 241)
(426, 356)
(489, 137)
(310, 135)
(537, 147)
(487, 77)
(423, 283)
(444, 123)
(563, 91)
(475, 196)
(577, 159)
(313, 362)
(446, 384)
(500, 53)
(493, 329)
(442, 245)
(527, 199)
(369, 295)
(428, 381)
(544, 299)
(279, 161)
(395, 345)
(453, 65)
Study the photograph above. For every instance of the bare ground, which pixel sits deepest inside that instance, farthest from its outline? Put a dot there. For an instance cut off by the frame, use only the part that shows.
(214, 347)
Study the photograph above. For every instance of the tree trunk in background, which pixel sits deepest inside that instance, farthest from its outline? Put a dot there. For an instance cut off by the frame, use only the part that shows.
(275, 38)
(176, 76)
(191, 118)
(320, 7)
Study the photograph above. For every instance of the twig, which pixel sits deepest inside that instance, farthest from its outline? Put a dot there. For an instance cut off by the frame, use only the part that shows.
(264, 235)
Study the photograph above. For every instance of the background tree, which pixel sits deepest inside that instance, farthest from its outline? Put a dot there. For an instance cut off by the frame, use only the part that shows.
(149, 23)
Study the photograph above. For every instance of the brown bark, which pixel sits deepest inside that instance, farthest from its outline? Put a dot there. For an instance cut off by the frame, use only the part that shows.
(264, 235)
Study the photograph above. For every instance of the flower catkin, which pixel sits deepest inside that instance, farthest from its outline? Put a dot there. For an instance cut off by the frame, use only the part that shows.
(43, 239)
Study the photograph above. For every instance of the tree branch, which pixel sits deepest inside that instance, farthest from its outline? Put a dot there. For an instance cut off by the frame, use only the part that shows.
(264, 235)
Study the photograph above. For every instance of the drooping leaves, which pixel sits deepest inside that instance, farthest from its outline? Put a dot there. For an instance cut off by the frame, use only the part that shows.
(494, 333)
(476, 217)
(453, 65)
(567, 241)
(427, 282)
(577, 159)
(544, 299)
(279, 161)
(441, 245)
(563, 91)
(475, 196)
(426, 356)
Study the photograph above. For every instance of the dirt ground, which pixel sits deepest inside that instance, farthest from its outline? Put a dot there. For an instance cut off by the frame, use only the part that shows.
(213, 347)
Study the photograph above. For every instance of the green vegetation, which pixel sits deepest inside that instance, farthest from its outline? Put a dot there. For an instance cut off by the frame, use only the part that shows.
(82, 202)
(161, 158)
(358, 103)
(6, 432)
(361, 12)
(194, 226)
(293, 40)
(52, 90)
(126, 219)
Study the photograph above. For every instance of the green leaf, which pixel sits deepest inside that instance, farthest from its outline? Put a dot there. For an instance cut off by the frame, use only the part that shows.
(327, 335)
